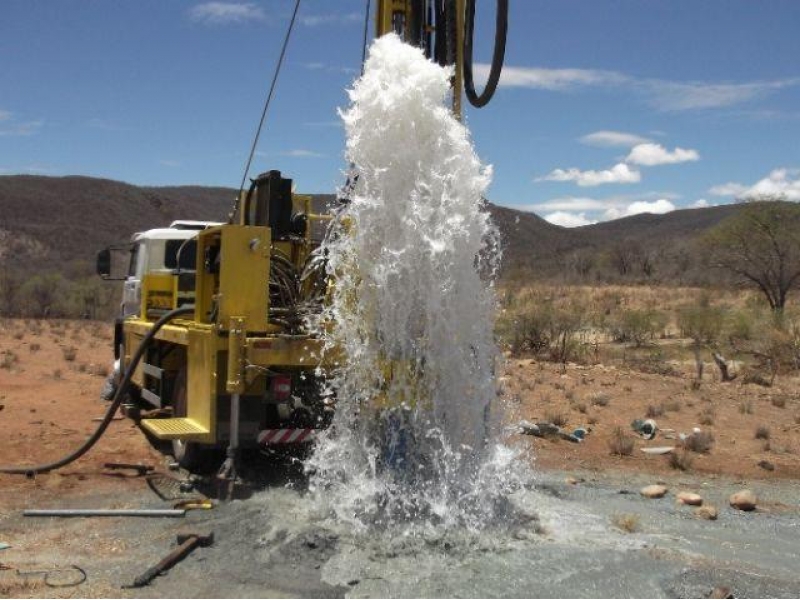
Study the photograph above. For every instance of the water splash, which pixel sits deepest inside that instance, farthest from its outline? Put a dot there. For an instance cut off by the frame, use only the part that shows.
(413, 255)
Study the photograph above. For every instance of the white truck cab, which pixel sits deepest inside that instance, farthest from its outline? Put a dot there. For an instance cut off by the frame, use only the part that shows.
(152, 251)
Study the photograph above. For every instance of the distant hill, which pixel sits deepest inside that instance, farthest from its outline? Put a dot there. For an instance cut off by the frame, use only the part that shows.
(64, 221)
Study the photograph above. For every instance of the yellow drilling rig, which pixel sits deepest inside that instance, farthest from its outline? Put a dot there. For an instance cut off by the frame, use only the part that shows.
(212, 342)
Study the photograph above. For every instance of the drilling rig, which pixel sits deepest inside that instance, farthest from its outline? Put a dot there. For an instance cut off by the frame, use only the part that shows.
(212, 338)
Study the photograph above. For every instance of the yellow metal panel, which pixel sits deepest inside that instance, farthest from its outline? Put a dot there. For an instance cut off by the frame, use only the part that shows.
(178, 428)
(244, 275)
(168, 333)
(159, 292)
(202, 382)
(285, 352)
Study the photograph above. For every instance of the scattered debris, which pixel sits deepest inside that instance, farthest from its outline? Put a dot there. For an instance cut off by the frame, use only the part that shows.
(104, 512)
(186, 544)
(657, 450)
(654, 491)
(140, 469)
(646, 428)
(744, 500)
(689, 498)
(544, 429)
(51, 576)
(194, 504)
(707, 512)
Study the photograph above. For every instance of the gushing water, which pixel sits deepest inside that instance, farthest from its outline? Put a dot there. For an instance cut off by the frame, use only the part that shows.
(411, 316)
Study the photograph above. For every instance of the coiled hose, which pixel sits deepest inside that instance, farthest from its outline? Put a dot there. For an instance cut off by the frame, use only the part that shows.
(501, 29)
(121, 390)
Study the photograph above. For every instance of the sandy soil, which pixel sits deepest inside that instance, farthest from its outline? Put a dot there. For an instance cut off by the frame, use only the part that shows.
(50, 394)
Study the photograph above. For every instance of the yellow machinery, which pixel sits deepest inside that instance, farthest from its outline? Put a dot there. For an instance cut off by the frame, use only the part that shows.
(240, 367)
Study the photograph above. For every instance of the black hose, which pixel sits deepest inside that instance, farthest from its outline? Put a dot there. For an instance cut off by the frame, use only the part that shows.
(501, 28)
(112, 409)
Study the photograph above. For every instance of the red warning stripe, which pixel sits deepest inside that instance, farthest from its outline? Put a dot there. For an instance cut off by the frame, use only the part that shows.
(285, 436)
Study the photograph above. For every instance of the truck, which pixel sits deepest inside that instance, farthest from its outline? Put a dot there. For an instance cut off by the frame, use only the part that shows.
(241, 368)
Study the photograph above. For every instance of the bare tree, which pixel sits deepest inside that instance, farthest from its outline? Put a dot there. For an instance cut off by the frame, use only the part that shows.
(760, 245)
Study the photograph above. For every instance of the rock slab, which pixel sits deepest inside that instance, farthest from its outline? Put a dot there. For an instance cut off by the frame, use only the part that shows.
(653, 491)
(689, 498)
(744, 500)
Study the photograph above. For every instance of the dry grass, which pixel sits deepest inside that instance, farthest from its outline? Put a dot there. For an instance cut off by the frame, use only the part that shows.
(778, 401)
(557, 419)
(654, 410)
(8, 359)
(700, 442)
(762, 432)
(70, 353)
(621, 442)
(681, 461)
(746, 407)
(600, 398)
(707, 416)
(628, 522)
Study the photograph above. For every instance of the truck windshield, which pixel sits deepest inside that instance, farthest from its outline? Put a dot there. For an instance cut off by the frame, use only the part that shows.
(188, 254)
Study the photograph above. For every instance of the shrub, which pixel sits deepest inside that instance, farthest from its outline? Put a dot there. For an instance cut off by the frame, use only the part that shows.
(628, 523)
(778, 401)
(621, 443)
(703, 324)
(8, 359)
(557, 419)
(599, 399)
(700, 442)
(746, 407)
(70, 353)
(681, 461)
(35, 347)
(637, 326)
(762, 432)
(707, 416)
(654, 410)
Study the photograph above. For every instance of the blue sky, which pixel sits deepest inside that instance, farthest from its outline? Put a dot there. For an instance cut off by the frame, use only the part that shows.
(606, 108)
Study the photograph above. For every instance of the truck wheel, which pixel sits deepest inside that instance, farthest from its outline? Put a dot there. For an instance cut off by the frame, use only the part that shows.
(188, 455)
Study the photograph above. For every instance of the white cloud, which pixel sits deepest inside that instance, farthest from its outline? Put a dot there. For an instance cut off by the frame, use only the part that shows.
(302, 153)
(675, 96)
(619, 173)
(550, 79)
(661, 94)
(221, 13)
(607, 138)
(656, 207)
(568, 219)
(655, 154)
(571, 204)
(11, 127)
(700, 203)
(779, 183)
(327, 19)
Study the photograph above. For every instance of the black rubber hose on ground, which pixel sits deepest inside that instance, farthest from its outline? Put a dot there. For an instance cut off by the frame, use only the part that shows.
(112, 409)
(501, 29)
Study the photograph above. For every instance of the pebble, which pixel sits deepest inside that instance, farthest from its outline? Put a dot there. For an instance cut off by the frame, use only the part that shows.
(744, 500)
(653, 491)
(690, 498)
(574, 480)
(707, 512)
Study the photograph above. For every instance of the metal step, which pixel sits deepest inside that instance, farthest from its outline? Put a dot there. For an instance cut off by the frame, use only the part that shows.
(172, 429)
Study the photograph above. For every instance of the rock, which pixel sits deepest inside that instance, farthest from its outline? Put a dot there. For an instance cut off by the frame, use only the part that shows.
(653, 491)
(690, 498)
(720, 592)
(707, 512)
(744, 500)
(766, 465)
(574, 480)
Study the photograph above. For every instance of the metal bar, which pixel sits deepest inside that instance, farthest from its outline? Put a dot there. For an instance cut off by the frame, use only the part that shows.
(103, 512)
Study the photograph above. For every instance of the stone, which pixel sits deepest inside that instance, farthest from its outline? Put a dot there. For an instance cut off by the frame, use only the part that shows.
(721, 592)
(690, 498)
(653, 491)
(574, 480)
(766, 465)
(744, 500)
(707, 512)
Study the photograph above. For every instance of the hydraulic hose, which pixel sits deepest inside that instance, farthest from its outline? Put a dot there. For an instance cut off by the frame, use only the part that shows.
(501, 29)
(112, 409)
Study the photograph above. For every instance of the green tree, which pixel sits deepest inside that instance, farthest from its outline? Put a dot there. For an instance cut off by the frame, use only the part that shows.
(760, 245)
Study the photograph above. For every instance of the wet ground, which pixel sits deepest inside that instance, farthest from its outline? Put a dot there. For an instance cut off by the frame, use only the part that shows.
(556, 540)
